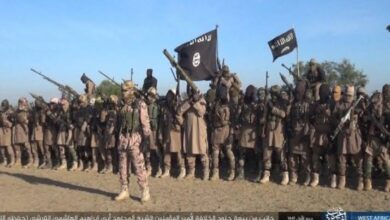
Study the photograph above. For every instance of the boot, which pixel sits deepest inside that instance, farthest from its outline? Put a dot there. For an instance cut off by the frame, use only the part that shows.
(360, 185)
(74, 166)
(387, 187)
(367, 184)
(149, 170)
(206, 173)
(48, 165)
(231, 175)
(145, 195)
(284, 179)
(28, 165)
(294, 178)
(166, 173)
(94, 167)
(240, 173)
(80, 166)
(307, 179)
(158, 173)
(182, 173)
(215, 175)
(315, 180)
(123, 194)
(333, 181)
(341, 184)
(62, 166)
(36, 163)
(42, 165)
(265, 178)
(191, 173)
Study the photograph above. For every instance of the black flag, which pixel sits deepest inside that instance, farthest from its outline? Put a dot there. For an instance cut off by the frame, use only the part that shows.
(198, 57)
(283, 44)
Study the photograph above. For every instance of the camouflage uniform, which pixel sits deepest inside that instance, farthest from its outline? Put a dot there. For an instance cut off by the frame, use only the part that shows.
(134, 122)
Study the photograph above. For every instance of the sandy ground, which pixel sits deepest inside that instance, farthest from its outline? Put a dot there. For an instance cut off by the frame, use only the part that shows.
(49, 190)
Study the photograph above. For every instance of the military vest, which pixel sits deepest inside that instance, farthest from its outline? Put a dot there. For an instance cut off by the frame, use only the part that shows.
(130, 118)
(153, 115)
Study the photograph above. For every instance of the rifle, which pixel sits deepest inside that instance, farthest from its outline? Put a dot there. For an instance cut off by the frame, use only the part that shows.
(265, 105)
(289, 86)
(177, 79)
(296, 77)
(180, 71)
(131, 74)
(345, 118)
(63, 88)
(110, 79)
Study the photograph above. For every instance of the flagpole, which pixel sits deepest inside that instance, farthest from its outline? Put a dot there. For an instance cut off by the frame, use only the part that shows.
(298, 73)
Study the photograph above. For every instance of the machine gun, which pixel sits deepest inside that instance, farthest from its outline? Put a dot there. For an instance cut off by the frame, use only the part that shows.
(296, 76)
(345, 118)
(110, 79)
(140, 93)
(66, 90)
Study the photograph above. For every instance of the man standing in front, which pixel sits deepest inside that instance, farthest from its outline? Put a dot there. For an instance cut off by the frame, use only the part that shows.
(134, 122)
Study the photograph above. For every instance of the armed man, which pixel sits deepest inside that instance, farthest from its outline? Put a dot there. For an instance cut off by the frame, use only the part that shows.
(315, 77)
(298, 131)
(349, 139)
(378, 136)
(82, 118)
(65, 136)
(89, 86)
(109, 132)
(248, 129)
(149, 81)
(151, 144)
(278, 110)
(134, 124)
(21, 135)
(322, 147)
(170, 131)
(50, 133)
(191, 117)
(220, 136)
(96, 127)
(261, 121)
(229, 80)
(6, 124)
(38, 116)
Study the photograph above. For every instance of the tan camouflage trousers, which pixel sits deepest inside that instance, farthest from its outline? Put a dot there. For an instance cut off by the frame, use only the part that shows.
(130, 146)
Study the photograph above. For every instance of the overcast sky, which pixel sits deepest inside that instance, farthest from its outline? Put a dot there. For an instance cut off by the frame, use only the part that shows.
(65, 38)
